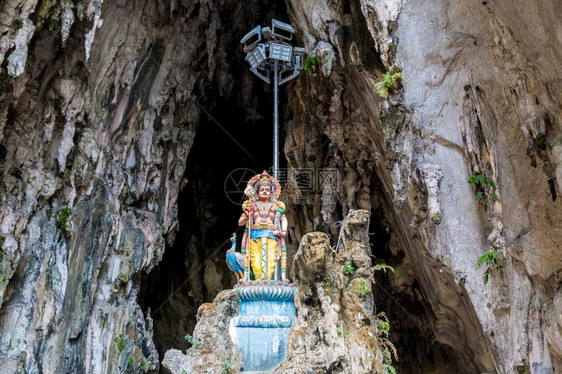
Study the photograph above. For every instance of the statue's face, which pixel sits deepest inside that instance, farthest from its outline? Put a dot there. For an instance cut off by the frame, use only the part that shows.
(264, 192)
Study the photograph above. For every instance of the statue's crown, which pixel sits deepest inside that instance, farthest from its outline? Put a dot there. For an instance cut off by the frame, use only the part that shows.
(264, 179)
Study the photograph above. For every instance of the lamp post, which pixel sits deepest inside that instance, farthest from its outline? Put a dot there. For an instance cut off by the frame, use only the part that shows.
(269, 53)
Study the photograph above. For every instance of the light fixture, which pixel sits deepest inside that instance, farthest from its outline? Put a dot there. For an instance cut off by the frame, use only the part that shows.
(298, 57)
(256, 56)
(282, 30)
(252, 38)
(272, 58)
(280, 51)
(266, 33)
(262, 74)
(284, 78)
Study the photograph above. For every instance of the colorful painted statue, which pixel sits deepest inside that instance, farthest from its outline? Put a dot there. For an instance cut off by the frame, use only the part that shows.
(263, 243)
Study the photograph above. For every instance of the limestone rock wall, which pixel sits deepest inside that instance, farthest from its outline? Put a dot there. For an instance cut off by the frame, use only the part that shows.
(97, 116)
(212, 350)
(480, 94)
(492, 82)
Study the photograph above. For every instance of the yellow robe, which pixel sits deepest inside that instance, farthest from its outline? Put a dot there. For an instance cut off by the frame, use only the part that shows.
(272, 246)
(256, 257)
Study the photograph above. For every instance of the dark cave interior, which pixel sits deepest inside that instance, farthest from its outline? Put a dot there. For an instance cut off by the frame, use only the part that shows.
(398, 294)
(193, 269)
(233, 142)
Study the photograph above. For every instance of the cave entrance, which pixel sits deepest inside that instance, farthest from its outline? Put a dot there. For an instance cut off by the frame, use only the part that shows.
(193, 270)
(233, 140)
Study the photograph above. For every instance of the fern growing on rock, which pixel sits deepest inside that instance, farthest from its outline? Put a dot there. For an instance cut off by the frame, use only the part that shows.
(492, 260)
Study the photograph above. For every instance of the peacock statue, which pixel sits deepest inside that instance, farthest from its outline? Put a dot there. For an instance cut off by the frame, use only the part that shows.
(234, 260)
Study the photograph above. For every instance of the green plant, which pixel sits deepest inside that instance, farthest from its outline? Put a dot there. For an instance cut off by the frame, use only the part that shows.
(363, 288)
(143, 365)
(387, 348)
(191, 340)
(522, 368)
(388, 368)
(309, 63)
(226, 368)
(339, 330)
(485, 186)
(382, 267)
(541, 141)
(491, 260)
(383, 324)
(63, 216)
(17, 24)
(436, 218)
(124, 277)
(360, 289)
(391, 82)
(131, 362)
(121, 342)
(392, 47)
(348, 268)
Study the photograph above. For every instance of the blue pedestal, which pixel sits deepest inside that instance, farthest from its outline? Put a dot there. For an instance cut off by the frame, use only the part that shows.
(267, 312)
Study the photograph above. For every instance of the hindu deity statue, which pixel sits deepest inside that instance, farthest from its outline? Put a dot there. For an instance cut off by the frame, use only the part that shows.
(263, 243)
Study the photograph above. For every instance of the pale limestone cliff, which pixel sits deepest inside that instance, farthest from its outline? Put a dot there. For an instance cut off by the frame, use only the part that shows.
(480, 93)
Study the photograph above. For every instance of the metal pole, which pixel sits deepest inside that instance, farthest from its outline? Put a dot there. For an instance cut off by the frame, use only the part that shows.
(277, 271)
(275, 123)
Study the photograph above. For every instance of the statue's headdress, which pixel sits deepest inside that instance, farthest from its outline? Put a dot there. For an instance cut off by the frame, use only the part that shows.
(264, 179)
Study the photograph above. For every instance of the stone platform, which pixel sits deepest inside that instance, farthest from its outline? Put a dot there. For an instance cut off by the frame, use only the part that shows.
(261, 330)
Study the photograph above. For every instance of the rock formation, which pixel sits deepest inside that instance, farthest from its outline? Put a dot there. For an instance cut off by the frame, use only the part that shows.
(212, 349)
(337, 329)
(100, 103)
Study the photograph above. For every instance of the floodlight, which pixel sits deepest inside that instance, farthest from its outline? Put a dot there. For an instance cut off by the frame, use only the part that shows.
(282, 30)
(298, 57)
(256, 56)
(266, 33)
(280, 51)
(251, 39)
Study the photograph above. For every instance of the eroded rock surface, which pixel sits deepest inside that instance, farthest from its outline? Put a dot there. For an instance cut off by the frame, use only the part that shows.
(478, 96)
(97, 115)
(336, 330)
(212, 349)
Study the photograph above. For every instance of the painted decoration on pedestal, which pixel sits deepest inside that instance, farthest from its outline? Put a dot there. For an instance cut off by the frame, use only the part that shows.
(261, 331)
